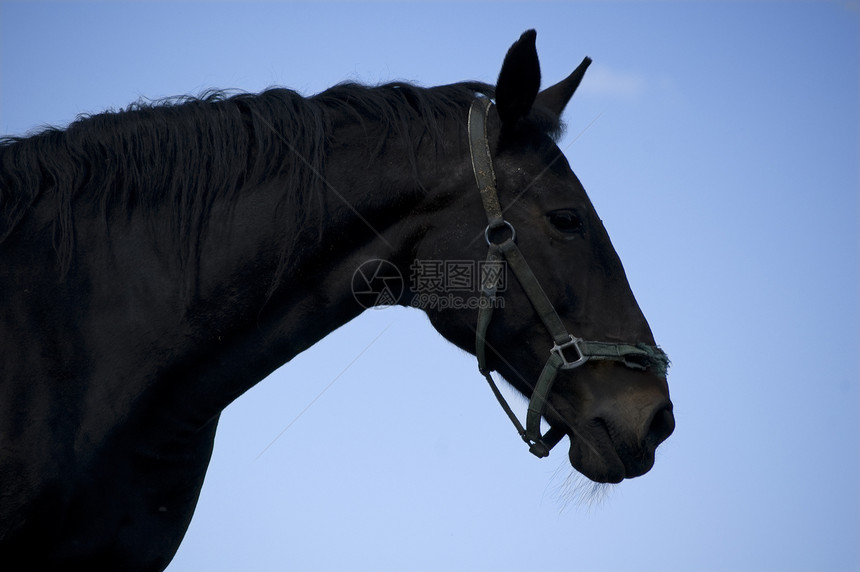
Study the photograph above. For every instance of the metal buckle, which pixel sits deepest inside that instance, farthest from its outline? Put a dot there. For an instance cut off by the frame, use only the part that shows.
(574, 342)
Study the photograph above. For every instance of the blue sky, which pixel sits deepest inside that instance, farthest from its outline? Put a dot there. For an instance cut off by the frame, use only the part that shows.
(719, 143)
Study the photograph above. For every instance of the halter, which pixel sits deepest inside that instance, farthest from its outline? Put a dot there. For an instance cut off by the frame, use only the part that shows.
(568, 351)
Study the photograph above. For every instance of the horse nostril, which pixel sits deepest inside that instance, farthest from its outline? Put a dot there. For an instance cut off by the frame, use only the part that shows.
(662, 425)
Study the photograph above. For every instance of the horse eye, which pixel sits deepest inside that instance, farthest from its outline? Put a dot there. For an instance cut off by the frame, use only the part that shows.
(566, 221)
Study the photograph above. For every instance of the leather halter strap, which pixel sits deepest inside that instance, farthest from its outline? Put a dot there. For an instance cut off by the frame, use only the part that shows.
(637, 356)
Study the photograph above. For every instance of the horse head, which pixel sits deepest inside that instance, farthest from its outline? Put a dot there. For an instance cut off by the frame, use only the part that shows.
(551, 281)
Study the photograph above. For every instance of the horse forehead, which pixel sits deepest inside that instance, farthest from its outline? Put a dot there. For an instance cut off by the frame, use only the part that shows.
(536, 174)
(535, 150)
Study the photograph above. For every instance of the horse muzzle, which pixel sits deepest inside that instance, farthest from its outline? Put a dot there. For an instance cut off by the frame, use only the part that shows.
(615, 438)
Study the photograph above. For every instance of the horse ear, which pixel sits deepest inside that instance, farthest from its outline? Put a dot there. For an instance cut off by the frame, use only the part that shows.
(519, 80)
(555, 98)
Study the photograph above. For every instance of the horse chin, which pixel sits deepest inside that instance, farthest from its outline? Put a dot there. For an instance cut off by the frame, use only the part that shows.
(598, 459)
(600, 464)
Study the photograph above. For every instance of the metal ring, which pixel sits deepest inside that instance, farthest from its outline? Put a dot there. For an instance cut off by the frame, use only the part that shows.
(506, 223)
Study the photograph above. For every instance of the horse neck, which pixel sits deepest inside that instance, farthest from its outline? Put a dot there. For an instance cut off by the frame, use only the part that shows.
(295, 279)
(159, 334)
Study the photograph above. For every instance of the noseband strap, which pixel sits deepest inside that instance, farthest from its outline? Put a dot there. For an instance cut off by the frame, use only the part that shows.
(568, 351)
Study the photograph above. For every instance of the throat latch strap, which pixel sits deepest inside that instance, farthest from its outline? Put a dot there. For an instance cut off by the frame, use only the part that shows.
(568, 351)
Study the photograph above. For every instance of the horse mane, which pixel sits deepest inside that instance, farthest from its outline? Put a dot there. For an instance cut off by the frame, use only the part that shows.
(184, 152)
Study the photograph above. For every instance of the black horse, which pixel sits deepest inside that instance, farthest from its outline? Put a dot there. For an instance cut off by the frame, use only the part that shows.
(157, 262)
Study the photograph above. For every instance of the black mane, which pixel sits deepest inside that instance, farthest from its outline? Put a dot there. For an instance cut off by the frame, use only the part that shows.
(185, 151)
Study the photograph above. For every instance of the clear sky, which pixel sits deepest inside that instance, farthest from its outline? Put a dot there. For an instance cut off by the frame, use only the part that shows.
(719, 143)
